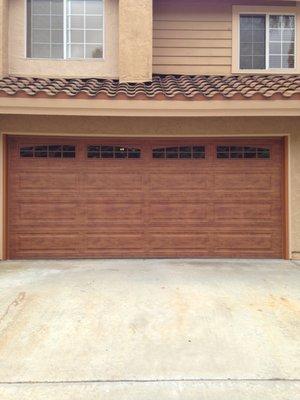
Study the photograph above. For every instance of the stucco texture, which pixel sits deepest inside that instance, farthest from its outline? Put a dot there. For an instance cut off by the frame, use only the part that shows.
(177, 127)
(21, 66)
(135, 49)
(3, 37)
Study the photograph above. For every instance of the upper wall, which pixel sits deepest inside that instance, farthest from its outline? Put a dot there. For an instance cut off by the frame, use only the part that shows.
(195, 36)
(19, 65)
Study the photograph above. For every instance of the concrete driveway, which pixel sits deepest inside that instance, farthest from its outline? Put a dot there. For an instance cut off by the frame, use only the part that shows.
(150, 329)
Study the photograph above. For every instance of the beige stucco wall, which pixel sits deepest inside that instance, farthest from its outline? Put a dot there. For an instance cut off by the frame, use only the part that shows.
(295, 193)
(135, 49)
(2, 194)
(176, 127)
(3, 37)
(19, 65)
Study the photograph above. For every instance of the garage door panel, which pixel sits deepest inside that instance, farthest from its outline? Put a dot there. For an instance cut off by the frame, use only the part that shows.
(48, 182)
(244, 241)
(111, 242)
(178, 181)
(116, 211)
(111, 181)
(177, 241)
(43, 212)
(41, 241)
(173, 212)
(256, 212)
(238, 182)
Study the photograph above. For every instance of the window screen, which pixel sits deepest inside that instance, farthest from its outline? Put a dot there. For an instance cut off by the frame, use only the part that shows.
(252, 42)
(45, 35)
(282, 41)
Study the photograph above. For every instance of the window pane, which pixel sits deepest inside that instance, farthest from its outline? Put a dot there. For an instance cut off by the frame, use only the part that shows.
(275, 48)
(288, 21)
(223, 152)
(41, 6)
(93, 51)
(41, 51)
(57, 51)
(288, 62)
(57, 36)
(77, 51)
(282, 38)
(172, 152)
(26, 151)
(245, 62)
(259, 49)
(250, 152)
(44, 28)
(85, 28)
(159, 153)
(77, 22)
(77, 36)
(275, 21)
(41, 21)
(252, 41)
(258, 62)
(275, 61)
(93, 22)
(57, 7)
(57, 22)
(93, 36)
(41, 36)
(55, 151)
(77, 6)
(40, 151)
(94, 7)
(288, 48)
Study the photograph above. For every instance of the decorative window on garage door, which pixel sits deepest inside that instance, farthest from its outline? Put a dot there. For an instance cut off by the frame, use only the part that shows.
(119, 152)
(48, 151)
(239, 152)
(181, 152)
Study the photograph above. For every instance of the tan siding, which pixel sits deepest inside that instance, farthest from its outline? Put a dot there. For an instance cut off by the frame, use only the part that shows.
(193, 37)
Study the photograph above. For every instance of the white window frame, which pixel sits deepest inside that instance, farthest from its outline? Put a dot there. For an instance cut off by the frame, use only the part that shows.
(267, 11)
(65, 34)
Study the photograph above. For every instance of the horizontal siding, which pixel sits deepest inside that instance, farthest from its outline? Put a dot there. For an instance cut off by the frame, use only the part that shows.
(195, 37)
(191, 37)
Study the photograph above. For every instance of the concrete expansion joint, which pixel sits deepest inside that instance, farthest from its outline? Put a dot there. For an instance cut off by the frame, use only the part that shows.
(191, 380)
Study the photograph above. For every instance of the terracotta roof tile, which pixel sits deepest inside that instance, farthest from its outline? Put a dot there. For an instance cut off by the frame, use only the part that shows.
(162, 87)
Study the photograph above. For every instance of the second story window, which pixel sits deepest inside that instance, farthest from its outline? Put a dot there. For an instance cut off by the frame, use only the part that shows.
(267, 41)
(65, 29)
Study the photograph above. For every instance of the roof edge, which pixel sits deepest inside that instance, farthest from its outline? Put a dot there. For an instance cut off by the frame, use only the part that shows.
(150, 108)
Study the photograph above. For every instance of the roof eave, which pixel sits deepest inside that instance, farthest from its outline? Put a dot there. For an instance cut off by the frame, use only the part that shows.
(149, 108)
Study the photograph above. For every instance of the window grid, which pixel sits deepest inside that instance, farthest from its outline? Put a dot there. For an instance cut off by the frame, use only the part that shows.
(181, 152)
(267, 39)
(282, 30)
(66, 28)
(109, 151)
(48, 151)
(242, 152)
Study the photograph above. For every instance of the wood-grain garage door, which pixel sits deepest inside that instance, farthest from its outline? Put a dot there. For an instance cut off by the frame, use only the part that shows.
(75, 198)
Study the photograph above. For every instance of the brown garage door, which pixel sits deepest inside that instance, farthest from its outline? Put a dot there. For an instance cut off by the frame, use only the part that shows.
(73, 198)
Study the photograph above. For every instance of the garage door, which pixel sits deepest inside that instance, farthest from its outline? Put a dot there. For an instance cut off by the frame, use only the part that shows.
(75, 198)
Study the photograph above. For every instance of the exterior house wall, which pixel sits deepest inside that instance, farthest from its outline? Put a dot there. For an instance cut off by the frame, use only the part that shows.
(174, 127)
(135, 50)
(19, 65)
(195, 37)
(3, 37)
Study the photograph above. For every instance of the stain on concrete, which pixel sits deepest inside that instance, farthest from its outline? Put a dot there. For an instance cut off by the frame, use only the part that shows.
(15, 303)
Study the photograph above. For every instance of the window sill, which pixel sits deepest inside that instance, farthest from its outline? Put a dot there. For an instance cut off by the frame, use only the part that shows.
(65, 59)
(274, 71)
